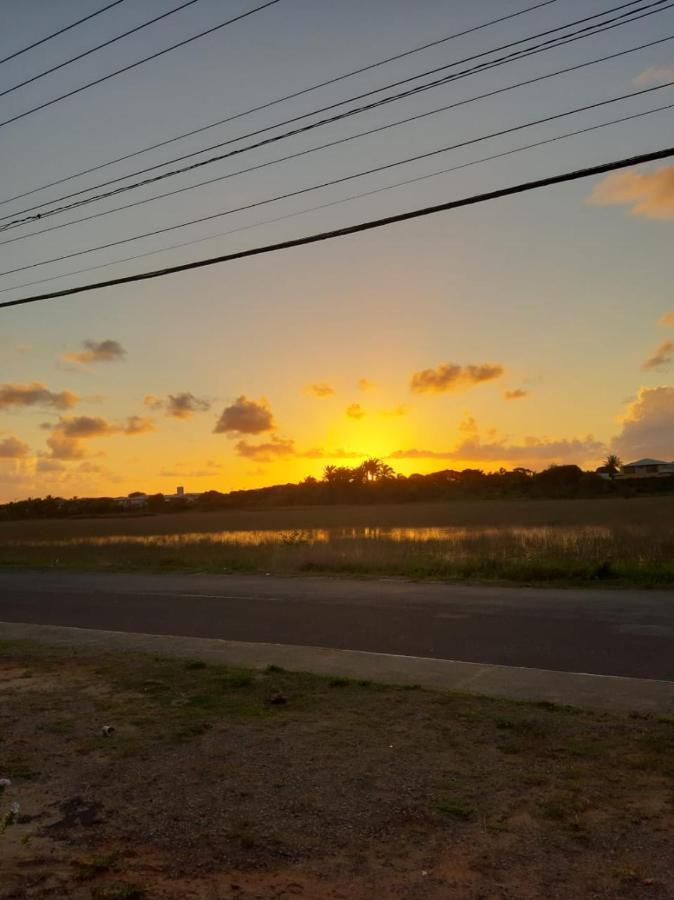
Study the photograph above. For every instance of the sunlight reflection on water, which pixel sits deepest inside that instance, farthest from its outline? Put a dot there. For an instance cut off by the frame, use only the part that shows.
(446, 534)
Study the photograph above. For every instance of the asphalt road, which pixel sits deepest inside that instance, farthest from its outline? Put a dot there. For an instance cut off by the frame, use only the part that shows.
(627, 632)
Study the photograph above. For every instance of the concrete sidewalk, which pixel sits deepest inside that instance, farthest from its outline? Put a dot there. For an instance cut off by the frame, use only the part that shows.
(596, 691)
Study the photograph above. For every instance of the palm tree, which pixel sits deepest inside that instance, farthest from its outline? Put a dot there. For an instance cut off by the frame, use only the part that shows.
(329, 474)
(370, 468)
(613, 464)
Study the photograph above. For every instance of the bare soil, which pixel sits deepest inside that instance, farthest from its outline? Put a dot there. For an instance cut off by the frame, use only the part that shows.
(221, 783)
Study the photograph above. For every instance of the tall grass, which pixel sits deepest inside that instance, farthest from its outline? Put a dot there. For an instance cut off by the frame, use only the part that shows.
(628, 554)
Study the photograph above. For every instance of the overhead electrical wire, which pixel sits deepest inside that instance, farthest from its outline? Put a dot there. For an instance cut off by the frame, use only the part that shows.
(137, 63)
(15, 221)
(60, 31)
(108, 43)
(300, 153)
(286, 97)
(369, 225)
(341, 180)
(650, 8)
(387, 187)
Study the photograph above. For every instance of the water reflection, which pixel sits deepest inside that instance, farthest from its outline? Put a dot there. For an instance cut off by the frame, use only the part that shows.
(445, 534)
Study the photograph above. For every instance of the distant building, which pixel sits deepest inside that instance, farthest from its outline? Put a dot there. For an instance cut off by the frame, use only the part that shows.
(180, 491)
(648, 468)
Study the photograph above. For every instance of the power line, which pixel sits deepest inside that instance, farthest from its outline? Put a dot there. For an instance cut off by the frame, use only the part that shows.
(522, 54)
(358, 196)
(338, 141)
(139, 62)
(651, 8)
(369, 225)
(341, 180)
(286, 97)
(60, 31)
(107, 43)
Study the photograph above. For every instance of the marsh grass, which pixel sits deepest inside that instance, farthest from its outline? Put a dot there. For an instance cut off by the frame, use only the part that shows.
(593, 542)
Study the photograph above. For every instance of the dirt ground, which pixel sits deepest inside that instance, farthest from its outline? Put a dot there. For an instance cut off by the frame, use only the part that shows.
(220, 783)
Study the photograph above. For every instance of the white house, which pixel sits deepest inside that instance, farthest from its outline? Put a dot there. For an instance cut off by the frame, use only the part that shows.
(648, 468)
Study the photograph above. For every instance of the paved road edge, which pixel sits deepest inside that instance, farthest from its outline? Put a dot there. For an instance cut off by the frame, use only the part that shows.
(606, 692)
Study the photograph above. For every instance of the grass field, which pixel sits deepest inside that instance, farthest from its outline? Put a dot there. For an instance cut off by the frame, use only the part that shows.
(221, 783)
(612, 541)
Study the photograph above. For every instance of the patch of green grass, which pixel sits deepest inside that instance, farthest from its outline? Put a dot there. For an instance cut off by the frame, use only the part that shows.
(339, 682)
(93, 866)
(563, 806)
(455, 809)
(274, 669)
(118, 890)
(195, 664)
(58, 726)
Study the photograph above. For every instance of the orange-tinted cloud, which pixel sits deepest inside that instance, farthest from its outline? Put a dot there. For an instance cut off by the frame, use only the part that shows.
(667, 320)
(245, 416)
(320, 389)
(530, 449)
(96, 351)
(355, 411)
(650, 194)
(35, 394)
(452, 377)
(654, 75)
(268, 451)
(12, 448)
(661, 357)
(516, 394)
(185, 405)
(364, 384)
(648, 426)
(395, 411)
(67, 434)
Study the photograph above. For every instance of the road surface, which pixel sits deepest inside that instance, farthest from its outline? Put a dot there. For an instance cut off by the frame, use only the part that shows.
(628, 632)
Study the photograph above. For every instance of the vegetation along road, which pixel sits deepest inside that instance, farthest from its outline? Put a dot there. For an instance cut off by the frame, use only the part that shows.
(628, 632)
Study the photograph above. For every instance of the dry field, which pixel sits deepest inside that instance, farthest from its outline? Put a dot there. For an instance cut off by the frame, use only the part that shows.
(219, 784)
(605, 542)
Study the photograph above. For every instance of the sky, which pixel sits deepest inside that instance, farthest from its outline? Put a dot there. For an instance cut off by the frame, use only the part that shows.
(529, 331)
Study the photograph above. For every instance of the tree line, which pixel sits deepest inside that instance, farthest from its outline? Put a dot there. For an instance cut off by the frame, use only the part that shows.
(373, 481)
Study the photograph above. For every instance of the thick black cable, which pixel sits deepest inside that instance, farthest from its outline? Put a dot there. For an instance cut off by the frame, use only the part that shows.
(522, 54)
(521, 188)
(300, 153)
(60, 31)
(652, 7)
(138, 62)
(108, 43)
(341, 180)
(358, 196)
(286, 97)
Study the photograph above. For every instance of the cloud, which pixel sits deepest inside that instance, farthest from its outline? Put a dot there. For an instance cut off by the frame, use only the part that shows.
(13, 448)
(320, 389)
(650, 194)
(355, 411)
(648, 426)
(667, 320)
(516, 394)
(68, 433)
(661, 357)
(180, 406)
(395, 411)
(49, 465)
(185, 405)
(137, 425)
(181, 470)
(364, 384)
(269, 451)
(95, 352)
(245, 417)
(452, 377)
(152, 401)
(35, 394)
(654, 75)
(530, 449)
(322, 453)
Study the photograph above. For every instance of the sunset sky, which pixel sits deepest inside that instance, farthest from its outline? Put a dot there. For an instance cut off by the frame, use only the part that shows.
(533, 330)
